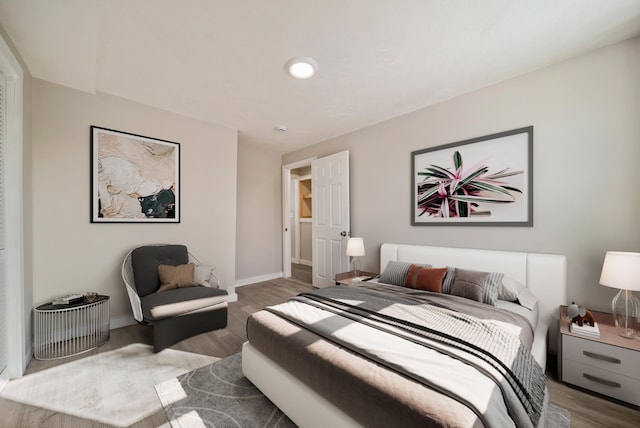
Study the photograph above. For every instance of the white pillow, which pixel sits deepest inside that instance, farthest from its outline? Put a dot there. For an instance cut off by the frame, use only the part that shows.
(527, 299)
(510, 289)
(203, 275)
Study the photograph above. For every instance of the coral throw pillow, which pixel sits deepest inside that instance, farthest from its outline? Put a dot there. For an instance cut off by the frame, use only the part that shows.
(424, 278)
(171, 277)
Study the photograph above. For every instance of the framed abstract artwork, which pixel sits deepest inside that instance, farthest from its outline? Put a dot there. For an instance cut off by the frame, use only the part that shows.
(134, 179)
(483, 181)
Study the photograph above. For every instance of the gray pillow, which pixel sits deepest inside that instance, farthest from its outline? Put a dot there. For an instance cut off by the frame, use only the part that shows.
(396, 272)
(492, 287)
(489, 289)
(469, 284)
(447, 282)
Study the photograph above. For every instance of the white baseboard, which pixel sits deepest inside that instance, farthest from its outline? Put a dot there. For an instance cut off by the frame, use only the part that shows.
(254, 279)
(306, 262)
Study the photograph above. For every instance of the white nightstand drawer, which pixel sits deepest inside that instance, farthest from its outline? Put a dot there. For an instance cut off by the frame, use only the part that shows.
(612, 384)
(600, 355)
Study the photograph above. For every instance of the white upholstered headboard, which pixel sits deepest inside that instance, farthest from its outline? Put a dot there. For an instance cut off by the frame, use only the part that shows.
(544, 274)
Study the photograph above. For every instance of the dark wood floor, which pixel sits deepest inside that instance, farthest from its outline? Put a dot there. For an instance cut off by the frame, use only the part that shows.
(586, 410)
(301, 272)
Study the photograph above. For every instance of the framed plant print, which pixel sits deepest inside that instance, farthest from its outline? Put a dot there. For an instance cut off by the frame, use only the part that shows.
(134, 179)
(483, 181)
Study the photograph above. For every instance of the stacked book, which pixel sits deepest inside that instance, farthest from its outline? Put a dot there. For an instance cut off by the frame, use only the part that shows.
(68, 299)
(586, 330)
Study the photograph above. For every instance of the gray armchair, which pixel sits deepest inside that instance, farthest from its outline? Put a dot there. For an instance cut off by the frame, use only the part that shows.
(177, 313)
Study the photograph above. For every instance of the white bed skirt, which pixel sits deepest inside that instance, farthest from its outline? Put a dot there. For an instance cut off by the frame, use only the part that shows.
(300, 403)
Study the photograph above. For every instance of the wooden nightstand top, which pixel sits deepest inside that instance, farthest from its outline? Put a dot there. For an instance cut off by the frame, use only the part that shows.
(608, 332)
(346, 277)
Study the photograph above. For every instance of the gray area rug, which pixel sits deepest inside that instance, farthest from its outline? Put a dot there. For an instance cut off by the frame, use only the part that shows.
(558, 417)
(218, 395)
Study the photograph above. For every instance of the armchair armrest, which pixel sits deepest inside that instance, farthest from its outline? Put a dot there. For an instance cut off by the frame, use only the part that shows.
(136, 305)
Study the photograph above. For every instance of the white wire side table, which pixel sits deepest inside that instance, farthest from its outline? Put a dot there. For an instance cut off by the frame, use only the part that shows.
(64, 330)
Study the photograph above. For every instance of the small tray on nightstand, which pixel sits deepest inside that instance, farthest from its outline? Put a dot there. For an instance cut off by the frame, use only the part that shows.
(348, 278)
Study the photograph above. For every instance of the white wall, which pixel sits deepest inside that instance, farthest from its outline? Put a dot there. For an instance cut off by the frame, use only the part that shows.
(585, 113)
(73, 255)
(306, 249)
(259, 229)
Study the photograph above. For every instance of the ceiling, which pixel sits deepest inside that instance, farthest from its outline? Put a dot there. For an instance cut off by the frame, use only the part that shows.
(224, 61)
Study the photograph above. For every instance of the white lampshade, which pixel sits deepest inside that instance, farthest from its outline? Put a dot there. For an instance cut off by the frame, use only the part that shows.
(355, 247)
(622, 270)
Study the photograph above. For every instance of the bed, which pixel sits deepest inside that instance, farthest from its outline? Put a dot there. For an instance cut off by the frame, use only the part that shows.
(316, 357)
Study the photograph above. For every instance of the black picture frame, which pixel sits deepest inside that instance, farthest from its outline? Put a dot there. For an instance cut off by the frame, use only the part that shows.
(483, 181)
(134, 179)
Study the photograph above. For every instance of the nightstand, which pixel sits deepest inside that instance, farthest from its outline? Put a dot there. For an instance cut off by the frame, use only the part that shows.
(609, 365)
(346, 278)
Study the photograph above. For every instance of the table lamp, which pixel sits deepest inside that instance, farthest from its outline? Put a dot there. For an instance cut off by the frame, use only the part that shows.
(622, 270)
(355, 249)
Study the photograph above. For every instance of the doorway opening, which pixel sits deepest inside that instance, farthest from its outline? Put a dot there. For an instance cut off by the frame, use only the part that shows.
(297, 257)
(302, 197)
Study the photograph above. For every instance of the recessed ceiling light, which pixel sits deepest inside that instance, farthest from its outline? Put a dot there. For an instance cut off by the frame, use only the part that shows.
(302, 67)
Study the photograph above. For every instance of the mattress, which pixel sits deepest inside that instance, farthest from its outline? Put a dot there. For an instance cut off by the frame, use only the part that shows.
(531, 315)
(369, 390)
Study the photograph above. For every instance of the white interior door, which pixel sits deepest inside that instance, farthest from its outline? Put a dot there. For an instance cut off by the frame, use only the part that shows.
(330, 213)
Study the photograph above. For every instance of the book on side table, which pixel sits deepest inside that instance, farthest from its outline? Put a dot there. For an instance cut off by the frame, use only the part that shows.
(68, 299)
(585, 330)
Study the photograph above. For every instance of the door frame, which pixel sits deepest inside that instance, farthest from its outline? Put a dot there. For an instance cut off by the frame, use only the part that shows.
(295, 228)
(18, 351)
(286, 209)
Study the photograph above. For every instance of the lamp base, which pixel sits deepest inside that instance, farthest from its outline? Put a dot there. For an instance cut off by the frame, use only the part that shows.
(625, 312)
(628, 334)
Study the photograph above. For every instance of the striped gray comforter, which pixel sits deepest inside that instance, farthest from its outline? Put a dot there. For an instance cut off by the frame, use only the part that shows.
(479, 356)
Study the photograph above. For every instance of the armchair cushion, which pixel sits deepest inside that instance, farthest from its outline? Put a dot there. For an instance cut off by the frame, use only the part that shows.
(145, 261)
(180, 301)
(180, 276)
